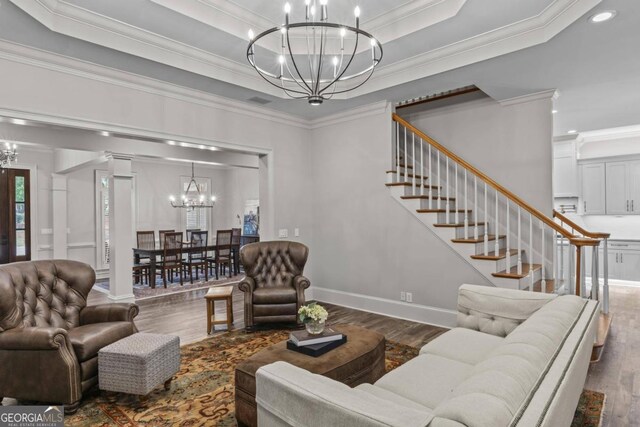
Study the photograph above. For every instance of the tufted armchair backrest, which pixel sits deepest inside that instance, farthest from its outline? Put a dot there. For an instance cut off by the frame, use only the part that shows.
(274, 264)
(44, 293)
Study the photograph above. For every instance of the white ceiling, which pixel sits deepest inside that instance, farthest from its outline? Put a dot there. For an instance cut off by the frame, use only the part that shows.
(507, 48)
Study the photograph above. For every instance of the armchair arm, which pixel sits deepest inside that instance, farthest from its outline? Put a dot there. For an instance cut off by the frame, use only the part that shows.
(121, 312)
(497, 311)
(301, 283)
(296, 397)
(247, 285)
(33, 339)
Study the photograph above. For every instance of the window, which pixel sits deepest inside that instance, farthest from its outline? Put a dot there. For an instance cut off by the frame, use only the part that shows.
(197, 218)
(15, 228)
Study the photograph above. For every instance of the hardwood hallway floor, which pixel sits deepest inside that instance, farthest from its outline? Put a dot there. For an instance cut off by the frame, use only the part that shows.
(617, 374)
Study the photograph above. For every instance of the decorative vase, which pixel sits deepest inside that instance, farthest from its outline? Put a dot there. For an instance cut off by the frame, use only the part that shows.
(314, 327)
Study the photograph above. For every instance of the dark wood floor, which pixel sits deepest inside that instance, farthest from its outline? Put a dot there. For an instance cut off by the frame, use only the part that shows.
(617, 374)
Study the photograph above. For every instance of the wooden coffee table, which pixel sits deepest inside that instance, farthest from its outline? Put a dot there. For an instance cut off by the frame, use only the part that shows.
(360, 360)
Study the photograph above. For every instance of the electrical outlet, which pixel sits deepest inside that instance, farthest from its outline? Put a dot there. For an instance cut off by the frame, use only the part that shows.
(283, 233)
(409, 297)
(403, 296)
(296, 232)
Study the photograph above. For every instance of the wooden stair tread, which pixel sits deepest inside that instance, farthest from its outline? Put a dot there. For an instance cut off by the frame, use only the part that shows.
(410, 175)
(512, 273)
(409, 184)
(502, 253)
(480, 239)
(604, 326)
(550, 286)
(426, 197)
(441, 210)
(458, 225)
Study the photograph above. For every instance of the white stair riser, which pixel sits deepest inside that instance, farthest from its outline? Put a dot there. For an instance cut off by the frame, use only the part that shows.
(434, 205)
(470, 230)
(479, 247)
(453, 217)
(410, 191)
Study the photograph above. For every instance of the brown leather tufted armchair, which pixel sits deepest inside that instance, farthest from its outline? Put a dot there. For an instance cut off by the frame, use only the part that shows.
(49, 338)
(274, 285)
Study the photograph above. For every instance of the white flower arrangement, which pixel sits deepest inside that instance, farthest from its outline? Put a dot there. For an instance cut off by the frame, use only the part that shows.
(312, 312)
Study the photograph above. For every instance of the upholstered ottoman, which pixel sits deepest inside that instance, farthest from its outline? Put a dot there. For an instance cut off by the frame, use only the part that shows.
(360, 360)
(139, 363)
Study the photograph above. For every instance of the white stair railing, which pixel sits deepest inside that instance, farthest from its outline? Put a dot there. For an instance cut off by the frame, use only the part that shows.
(427, 158)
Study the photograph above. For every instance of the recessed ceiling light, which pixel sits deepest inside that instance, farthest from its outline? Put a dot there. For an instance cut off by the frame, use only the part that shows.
(18, 122)
(202, 147)
(171, 142)
(213, 148)
(183, 144)
(104, 133)
(573, 131)
(602, 16)
(554, 111)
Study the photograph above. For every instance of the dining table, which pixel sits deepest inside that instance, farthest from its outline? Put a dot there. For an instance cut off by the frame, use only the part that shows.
(153, 253)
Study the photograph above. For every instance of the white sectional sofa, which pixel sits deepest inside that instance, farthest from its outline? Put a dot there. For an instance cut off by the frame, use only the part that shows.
(517, 358)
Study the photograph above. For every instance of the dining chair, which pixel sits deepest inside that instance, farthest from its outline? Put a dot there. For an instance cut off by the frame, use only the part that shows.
(161, 235)
(189, 231)
(171, 257)
(141, 270)
(222, 253)
(235, 249)
(197, 254)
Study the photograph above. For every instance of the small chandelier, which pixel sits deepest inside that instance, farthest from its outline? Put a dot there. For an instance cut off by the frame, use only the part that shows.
(192, 198)
(317, 58)
(8, 155)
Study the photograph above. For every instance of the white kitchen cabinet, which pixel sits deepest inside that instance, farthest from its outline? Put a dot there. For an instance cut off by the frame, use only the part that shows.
(623, 188)
(624, 260)
(593, 189)
(565, 169)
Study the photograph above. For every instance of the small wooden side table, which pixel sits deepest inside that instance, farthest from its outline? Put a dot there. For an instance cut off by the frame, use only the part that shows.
(219, 293)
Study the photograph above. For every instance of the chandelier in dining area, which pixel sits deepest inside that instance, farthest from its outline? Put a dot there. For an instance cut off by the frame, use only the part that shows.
(193, 197)
(8, 155)
(314, 59)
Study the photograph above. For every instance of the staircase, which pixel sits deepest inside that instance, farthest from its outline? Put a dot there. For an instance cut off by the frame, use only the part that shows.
(511, 243)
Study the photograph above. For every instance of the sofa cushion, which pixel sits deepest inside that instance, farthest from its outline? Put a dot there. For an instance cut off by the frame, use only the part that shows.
(501, 383)
(390, 397)
(427, 379)
(463, 345)
(276, 295)
(87, 340)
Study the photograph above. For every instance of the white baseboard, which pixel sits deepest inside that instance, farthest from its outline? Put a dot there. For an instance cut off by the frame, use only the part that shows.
(398, 309)
(130, 297)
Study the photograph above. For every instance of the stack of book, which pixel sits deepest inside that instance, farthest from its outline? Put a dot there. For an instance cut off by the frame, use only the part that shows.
(315, 345)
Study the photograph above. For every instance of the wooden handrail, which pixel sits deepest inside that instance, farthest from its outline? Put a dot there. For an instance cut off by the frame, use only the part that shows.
(591, 234)
(524, 205)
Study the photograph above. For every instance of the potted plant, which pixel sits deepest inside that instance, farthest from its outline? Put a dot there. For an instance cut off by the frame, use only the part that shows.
(313, 316)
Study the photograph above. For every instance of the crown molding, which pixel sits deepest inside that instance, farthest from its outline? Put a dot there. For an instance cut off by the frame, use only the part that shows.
(67, 18)
(353, 114)
(624, 132)
(35, 57)
(545, 94)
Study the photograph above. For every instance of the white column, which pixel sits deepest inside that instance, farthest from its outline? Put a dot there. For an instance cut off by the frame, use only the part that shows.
(59, 216)
(121, 227)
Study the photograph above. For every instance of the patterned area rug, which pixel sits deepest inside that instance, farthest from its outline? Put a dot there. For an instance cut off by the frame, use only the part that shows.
(144, 291)
(202, 393)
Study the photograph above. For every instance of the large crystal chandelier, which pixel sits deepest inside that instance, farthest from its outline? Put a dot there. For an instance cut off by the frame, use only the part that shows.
(8, 155)
(316, 58)
(193, 197)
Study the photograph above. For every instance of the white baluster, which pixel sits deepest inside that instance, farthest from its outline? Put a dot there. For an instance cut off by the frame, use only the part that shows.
(455, 194)
(466, 207)
(448, 210)
(508, 243)
(421, 168)
(595, 284)
(413, 156)
(430, 181)
(519, 267)
(397, 152)
(406, 162)
(543, 283)
(571, 275)
(561, 263)
(486, 222)
(496, 246)
(439, 184)
(475, 206)
(530, 257)
(605, 273)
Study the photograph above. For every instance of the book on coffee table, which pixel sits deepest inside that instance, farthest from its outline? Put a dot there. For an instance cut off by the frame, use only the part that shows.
(315, 350)
(304, 338)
